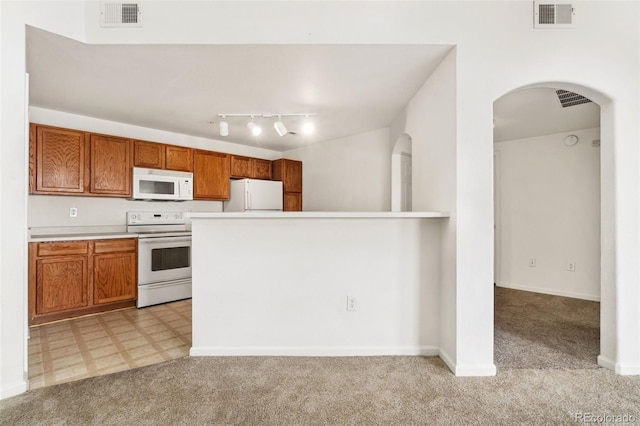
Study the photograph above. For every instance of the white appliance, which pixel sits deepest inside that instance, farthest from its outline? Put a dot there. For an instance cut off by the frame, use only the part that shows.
(246, 195)
(164, 256)
(154, 184)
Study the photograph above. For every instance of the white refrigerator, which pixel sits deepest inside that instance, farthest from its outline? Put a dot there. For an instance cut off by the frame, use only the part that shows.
(248, 195)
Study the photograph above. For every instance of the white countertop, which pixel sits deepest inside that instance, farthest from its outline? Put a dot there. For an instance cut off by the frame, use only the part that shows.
(80, 236)
(318, 215)
(71, 233)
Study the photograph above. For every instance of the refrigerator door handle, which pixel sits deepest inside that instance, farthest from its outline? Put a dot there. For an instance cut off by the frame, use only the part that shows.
(249, 195)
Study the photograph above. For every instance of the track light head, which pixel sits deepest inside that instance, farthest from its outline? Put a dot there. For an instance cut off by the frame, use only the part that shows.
(254, 128)
(224, 127)
(308, 127)
(280, 127)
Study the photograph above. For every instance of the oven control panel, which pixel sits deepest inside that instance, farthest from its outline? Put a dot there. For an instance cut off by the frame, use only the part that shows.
(158, 218)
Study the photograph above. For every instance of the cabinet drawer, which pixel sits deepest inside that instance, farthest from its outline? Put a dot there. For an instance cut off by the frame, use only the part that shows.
(112, 246)
(63, 248)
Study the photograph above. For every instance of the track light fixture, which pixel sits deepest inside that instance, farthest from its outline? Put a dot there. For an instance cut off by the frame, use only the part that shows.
(278, 125)
(254, 128)
(307, 127)
(224, 127)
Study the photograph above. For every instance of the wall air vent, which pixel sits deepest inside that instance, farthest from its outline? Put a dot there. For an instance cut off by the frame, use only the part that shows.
(568, 99)
(553, 15)
(120, 14)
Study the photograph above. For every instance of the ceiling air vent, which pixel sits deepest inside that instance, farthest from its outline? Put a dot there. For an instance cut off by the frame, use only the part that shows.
(568, 99)
(553, 15)
(120, 14)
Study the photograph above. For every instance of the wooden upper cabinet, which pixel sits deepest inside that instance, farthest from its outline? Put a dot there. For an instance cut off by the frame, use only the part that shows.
(110, 166)
(240, 167)
(57, 160)
(247, 167)
(178, 158)
(148, 154)
(292, 202)
(211, 173)
(290, 173)
(262, 168)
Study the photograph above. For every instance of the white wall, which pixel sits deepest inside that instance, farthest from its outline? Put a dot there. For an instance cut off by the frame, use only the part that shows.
(292, 298)
(347, 174)
(497, 52)
(550, 211)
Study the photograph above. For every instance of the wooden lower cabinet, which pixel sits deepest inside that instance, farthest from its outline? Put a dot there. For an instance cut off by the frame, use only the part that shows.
(61, 283)
(69, 279)
(114, 270)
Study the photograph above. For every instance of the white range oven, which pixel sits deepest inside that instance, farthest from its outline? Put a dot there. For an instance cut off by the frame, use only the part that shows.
(164, 256)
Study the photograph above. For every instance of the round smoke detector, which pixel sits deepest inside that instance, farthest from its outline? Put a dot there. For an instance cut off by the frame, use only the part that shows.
(571, 140)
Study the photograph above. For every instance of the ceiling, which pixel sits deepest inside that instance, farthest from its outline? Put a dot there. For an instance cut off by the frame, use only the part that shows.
(182, 88)
(535, 112)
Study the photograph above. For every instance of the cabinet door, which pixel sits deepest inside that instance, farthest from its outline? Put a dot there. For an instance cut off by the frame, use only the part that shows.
(178, 158)
(148, 154)
(240, 167)
(110, 166)
(292, 181)
(261, 168)
(211, 175)
(292, 202)
(61, 283)
(114, 277)
(57, 160)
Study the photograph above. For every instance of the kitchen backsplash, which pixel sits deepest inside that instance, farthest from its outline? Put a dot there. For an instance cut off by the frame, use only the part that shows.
(53, 210)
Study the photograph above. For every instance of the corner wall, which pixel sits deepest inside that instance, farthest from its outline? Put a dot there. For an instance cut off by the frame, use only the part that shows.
(550, 212)
(430, 120)
(346, 174)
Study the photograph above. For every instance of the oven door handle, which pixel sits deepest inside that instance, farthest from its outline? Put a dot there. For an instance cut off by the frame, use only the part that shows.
(165, 240)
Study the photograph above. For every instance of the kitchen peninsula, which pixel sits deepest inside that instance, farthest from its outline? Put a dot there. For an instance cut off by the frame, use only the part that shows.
(316, 283)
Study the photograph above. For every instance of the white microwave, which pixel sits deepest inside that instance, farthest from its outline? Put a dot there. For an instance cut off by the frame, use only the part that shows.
(154, 184)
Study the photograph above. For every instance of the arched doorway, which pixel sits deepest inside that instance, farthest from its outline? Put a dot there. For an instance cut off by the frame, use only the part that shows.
(557, 170)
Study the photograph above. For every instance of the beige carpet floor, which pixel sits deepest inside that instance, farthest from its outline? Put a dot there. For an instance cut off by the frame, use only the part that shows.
(343, 391)
(534, 330)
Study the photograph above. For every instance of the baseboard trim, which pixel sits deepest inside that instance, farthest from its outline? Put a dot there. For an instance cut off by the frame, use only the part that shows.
(13, 390)
(475, 370)
(551, 291)
(444, 356)
(314, 351)
(467, 370)
(605, 362)
(628, 368)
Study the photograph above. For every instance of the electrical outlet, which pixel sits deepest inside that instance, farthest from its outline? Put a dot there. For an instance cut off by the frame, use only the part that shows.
(571, 266)
(73, 212)
(532, 263)
(352, 303)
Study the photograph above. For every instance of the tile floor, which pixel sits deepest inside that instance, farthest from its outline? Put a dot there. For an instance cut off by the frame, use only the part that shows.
(105, 343)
